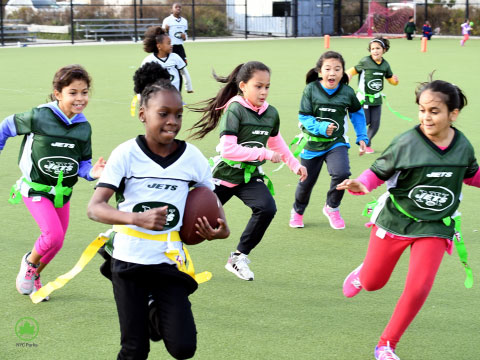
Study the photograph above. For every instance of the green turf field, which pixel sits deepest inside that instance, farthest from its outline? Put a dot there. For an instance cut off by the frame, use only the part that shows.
(295, 308)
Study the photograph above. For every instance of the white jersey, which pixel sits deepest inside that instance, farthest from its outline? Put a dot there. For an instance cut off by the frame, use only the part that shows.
(176, 27)
(143, 180)
(172, 63)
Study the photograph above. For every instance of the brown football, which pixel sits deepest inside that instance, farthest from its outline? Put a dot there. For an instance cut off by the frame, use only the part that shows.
(201, 201)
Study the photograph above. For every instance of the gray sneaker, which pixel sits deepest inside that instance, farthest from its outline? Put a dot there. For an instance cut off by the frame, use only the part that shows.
(238, 264)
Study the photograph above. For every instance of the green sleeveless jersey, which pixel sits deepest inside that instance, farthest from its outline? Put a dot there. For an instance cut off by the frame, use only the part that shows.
(331, 108)
(251, 130)
(370, 81)
(425, 181)
(51, 146)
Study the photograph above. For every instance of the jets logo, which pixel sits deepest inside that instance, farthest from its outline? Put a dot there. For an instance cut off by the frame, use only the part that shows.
(260, 132)
(435, 198)
(178, 34)
(252, 144)
(63, 145)
(173, 215)
(331, 121)
(53, 165)
(375, 85)
(438, 174)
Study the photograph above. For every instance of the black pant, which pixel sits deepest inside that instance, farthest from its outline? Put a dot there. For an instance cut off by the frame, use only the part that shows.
(338, 167)
(132, 285)
(180, 51)
(373, 115)
(409, 36)
(257, 197)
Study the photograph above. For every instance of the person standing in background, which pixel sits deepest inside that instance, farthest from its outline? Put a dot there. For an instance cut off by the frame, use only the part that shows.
(176, 26)
(410, 28)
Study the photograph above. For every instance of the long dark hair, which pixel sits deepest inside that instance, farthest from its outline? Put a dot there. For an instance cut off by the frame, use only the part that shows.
(313, 73)
(453, 96)
(149, 79)
(66, 75)
(211, 107)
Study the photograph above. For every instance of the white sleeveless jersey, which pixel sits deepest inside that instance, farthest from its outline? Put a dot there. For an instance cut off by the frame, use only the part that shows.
(176, 27)
(172, 63)
(143, 180)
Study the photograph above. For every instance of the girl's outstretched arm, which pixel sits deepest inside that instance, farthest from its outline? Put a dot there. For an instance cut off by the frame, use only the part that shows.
(278, 144)
(366, 182)
(7, 129)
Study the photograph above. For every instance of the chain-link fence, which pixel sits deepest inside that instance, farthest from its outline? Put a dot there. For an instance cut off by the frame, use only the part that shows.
(445, 16)
(46, 21)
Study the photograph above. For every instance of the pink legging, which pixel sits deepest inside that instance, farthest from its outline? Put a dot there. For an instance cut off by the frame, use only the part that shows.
(53, 225)
(382, 255)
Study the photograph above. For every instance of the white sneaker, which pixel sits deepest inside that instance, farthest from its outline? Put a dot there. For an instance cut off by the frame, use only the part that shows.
(26, 276)
(238, 264)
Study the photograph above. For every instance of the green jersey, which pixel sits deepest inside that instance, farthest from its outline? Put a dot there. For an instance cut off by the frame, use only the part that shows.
(424, 181)
(251, 130)
(331, 108)
(51, 146)
(370, 81)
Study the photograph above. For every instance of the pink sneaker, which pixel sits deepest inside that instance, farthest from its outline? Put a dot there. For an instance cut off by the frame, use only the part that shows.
(296, 220)
(37, 284)
(369, 150)
(333, 215)
(351, 284)
(385, 353)
(26, 276)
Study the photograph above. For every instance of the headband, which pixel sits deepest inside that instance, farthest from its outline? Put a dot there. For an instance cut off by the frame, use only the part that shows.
(379, 41)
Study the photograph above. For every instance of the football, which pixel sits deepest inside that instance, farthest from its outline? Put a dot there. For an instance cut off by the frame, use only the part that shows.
(201, 201)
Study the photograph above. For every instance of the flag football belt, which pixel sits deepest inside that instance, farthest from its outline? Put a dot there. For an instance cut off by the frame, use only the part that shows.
(184, 265)
(58, 191)
(133, 105)
(302, 139)
(249, 169)
(458, 237)
(371, 99)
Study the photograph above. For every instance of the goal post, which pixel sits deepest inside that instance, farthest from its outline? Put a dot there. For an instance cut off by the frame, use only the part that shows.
(387, 21)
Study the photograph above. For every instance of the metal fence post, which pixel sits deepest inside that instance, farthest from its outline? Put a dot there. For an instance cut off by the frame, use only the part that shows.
(135, 20)
(72, 28)
(193, 20)
(466, 10)
(295, 18)
(246, 24)
(339, 17)
(1, 22)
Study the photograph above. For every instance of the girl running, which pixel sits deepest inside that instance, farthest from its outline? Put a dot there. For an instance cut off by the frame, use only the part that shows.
(326, 102)
(247, 125)
(424, 169)
(150, 177)
(159, 45)
(372, 70)
(56, 150)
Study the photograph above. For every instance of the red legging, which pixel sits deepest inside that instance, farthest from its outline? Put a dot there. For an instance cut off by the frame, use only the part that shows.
(382, 255)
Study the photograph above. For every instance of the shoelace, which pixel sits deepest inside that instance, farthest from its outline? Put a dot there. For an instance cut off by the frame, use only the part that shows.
(387, 353)
(356, 283)
(30, 273)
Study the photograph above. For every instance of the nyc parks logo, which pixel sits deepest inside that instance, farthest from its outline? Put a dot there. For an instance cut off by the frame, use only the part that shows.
(26, 329)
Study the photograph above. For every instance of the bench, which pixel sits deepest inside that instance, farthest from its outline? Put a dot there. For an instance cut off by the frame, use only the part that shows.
(17, 33)
(98, 29)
